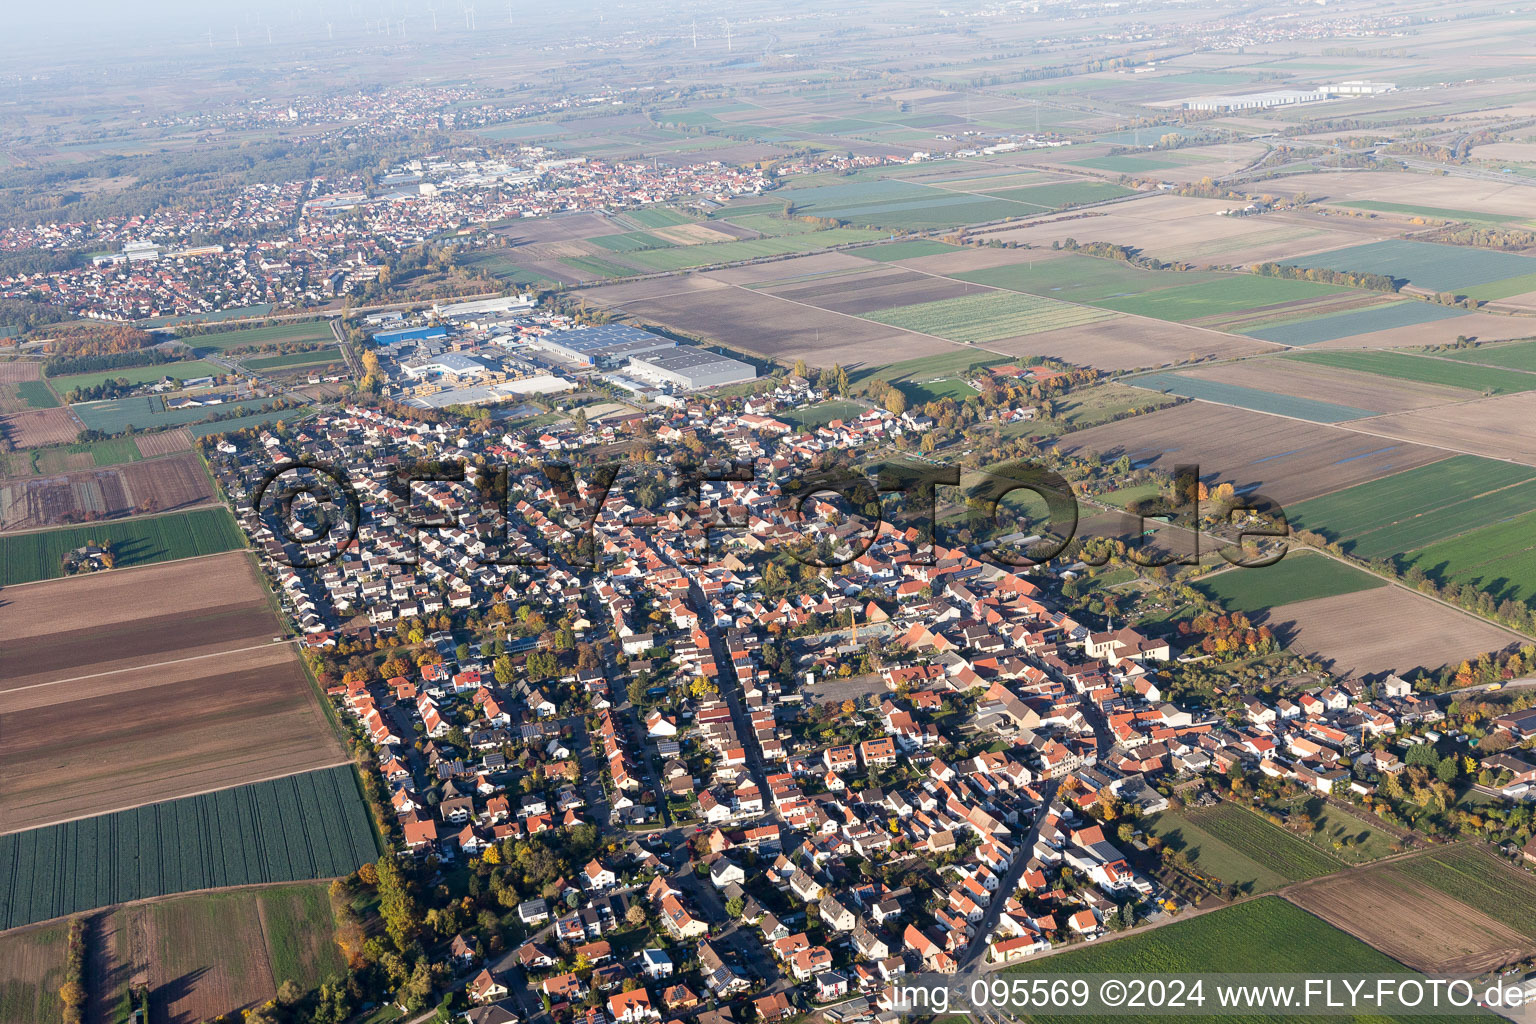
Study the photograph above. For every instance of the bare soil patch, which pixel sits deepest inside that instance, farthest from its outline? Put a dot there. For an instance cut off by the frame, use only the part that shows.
(1483, 326)
(15, 371)
(764, 325)
(868, 292)
(1500, 427)
(39, 427)
(1128, 343)
(148, 684)
(1385, 629)
(1288, 460)
(165, 443)
(1424, 929)
(156, 485)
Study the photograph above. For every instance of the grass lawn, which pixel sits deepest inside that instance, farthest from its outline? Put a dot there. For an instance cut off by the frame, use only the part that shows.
(31, 971)
(297, 924)
(1438, 212)
(1425, 370)
(330, 354)
(1299, 576)
(933, 391)
(144, 374)
(1334, 826)
(1499, 558)
(959, 362)
(299, 332)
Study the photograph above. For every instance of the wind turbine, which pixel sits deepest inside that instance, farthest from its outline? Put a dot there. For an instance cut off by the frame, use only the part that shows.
(269, 35)
(510, 20)
(434, 18)
(695, 35)
(469, 18)
(329, 31)
(237, 35)
(727, 36)
(210, 39)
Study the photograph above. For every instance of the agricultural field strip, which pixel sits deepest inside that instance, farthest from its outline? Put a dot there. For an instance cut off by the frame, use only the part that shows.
(8, 705)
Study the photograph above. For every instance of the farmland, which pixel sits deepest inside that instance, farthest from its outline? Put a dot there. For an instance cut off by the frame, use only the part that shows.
(1397, 908)
(322, 355)
(26, 557)
(1519, 355)
(1439, 268)
(158, 485)
(113, 701)
(65, 458)
(1289, 460)
(1381, 317)
(1260, 936)
(1499, 558)
(1338, 833)
(1485, 426)
(311, 825)
(1425, 370)
(1249, 398)
(31, 971)
(35, 394)
(1240, 848)
(684, 257)
(1408, 510)
(39, 427)
(904, 250)
(1226, 295)
(1442, 213)
(1081, 278)
(989, 316)
(1472, 875)
(1299, 576)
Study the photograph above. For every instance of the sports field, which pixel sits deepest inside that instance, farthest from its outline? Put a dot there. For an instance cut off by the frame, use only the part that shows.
(1361, 321)
(1425, 370)
(1299, 576)
(330, 354)
(1439, 268)
(1249, 398)
(989, 316)
(1387, 517)
(298, 332)
(25, 557)
(311, 825)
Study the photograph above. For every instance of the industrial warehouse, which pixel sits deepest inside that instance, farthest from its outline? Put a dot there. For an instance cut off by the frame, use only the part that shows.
(690, 368)
(603, 346)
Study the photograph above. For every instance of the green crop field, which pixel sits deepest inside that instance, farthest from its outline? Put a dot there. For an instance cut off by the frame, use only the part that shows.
(1438, 212)
(148, 411)
(1311, 330)
(1519, 355)
(1471, 875)
(241, 422)
(1212, 858)
(1500, 558)
(596, 266)
(1395, 514)
(1425, 370)
(632, 241)
(298, 925)
(298, 332)
(1224, 295)
(311, 825)
(1440, 268)
(1058, 194)
(25, 557)
(499, 265)
(58, 459)
(1249, 398)
(891, 251)
(1083, 278)
(330, 354)
(185, 370)
(1297, 577)
(658, 217)
(1266, 936)
(685, 256)
(32, 965)
(36, 394)
(987, 316)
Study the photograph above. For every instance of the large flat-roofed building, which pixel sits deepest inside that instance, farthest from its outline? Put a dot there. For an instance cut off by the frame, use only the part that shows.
(505, 304)
(450, 364)
(1256, 100)
(1359, 88)
(604, 345)
(690, 368)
